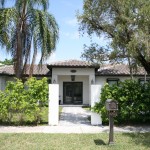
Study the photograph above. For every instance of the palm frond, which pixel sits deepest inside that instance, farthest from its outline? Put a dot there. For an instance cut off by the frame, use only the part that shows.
(46, 30)
(28, 23)
(2, 2)
(7, 21)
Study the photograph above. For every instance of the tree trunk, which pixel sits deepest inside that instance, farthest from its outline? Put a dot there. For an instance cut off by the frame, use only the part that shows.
(144, 63)
(18, 65)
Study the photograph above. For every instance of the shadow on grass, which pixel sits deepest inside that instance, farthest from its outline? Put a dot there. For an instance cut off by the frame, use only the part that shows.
(99, 142)
(139, 138)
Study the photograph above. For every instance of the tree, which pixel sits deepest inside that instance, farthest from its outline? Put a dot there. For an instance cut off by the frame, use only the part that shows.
(126, 23)
(28, 24)
(7, 62)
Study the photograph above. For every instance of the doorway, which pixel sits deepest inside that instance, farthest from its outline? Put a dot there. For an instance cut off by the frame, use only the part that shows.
(72, 93)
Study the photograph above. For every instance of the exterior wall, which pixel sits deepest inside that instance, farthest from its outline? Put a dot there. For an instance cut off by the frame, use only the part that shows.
(83, 79)
(2, 82)
(101, 80)
(84, 75)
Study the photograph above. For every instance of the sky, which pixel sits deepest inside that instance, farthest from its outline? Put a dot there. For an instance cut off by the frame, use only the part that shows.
(71, 42)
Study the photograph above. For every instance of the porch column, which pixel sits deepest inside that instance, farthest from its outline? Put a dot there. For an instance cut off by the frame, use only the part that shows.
(53, 113)
(95, 97)
(91, 81)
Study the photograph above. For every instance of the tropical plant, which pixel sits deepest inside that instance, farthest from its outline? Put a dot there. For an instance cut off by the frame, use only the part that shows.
(27, 24)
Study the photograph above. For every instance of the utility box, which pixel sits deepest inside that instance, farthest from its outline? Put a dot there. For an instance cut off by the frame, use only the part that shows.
(111, 105)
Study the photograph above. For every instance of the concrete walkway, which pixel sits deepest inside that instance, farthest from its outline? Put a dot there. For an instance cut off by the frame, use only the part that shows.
(72, 120)
(74, 116)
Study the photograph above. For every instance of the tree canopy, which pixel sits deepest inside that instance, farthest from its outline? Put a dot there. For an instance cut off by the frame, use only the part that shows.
(7, 62)
(126, 23)
(27, 24)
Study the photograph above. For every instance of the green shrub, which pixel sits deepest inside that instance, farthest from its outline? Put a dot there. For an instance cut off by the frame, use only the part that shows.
(37, 91)
(133, 102)
(21, 100)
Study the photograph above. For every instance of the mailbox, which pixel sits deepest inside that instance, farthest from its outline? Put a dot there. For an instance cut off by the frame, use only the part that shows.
(111, 105)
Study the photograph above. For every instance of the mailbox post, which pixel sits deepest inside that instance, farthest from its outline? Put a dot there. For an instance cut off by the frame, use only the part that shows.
(111, 107)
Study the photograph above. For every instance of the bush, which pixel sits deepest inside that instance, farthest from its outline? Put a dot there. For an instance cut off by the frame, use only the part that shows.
(133, 102)
(23, 99)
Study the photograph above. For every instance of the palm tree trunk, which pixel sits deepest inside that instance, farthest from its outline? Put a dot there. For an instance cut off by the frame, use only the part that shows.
(19, 69)
(18, 57)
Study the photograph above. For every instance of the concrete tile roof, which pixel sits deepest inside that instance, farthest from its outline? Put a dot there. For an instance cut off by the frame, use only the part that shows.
(9, 70)
(72, 63)
(118, 69)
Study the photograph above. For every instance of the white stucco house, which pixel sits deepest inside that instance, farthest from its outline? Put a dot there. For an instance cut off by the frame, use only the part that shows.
(75, 78)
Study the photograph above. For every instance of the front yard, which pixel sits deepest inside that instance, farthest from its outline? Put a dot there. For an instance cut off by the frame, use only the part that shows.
(29, 120)
(124, 141)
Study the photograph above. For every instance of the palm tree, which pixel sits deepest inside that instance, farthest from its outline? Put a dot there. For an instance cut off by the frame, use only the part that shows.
(26, 25)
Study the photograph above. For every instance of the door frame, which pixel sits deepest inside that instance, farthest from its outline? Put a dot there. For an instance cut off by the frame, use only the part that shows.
(72, 97)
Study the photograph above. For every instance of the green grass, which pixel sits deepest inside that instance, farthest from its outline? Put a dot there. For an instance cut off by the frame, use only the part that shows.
(124, 141)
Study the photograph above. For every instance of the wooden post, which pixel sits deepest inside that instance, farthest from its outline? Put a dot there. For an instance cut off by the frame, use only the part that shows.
(111, 130)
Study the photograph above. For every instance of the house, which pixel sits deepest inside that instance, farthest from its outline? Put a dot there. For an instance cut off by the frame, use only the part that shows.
(75, 78)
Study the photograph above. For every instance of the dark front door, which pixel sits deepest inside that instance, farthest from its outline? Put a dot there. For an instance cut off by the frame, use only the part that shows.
(72, 92)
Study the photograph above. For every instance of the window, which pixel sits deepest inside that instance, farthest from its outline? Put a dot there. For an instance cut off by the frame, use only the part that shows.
(112, 81)
(142, 80)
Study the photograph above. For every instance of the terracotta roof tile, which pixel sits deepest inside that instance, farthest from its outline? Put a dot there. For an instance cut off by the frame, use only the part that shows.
(8, 70)
(72, 63)
(118, 69)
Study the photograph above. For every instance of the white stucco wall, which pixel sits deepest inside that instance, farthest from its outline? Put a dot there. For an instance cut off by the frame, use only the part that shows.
(103, 79)
(53, 113)
(2, 83)
(95, 95)
(83, 79)
(84, 75)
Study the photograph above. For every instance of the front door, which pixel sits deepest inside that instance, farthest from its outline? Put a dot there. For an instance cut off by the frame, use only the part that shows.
(72, 92)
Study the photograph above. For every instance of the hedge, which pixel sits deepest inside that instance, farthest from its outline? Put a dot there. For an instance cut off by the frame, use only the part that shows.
(133, 102)
(23, 99)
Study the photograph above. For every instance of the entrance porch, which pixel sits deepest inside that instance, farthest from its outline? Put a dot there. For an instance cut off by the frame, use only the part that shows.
(75, 92)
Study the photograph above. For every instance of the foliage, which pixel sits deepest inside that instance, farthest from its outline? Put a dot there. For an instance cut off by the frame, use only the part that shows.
(20, 98)
(26, 29)
(126, 26)
(7, 62)
(133, 99)
(37, 91)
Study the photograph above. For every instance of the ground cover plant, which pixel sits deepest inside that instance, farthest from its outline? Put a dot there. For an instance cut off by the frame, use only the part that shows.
(124, 141)
(133, 99)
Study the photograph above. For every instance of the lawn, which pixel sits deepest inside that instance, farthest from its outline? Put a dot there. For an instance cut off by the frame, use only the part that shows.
(124, 141)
